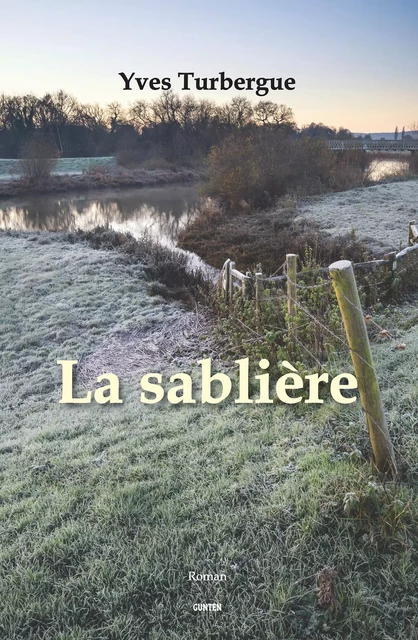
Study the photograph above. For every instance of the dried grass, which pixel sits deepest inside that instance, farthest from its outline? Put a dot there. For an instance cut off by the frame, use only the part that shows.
(135, 353)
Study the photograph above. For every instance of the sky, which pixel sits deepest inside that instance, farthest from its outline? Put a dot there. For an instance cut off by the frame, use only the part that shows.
(354, 62)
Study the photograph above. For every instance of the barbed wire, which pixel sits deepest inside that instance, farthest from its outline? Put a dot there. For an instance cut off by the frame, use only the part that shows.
(322, 366)
(333, 334)
(324, 327)
(367, 317)
(342, 341)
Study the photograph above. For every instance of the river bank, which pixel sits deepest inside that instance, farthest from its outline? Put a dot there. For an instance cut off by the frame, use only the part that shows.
(357, 224)
(100, 177)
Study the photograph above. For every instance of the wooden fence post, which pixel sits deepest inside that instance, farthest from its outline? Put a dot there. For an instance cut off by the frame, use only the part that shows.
(244, 290)
(231, 282)
(291, 268)
(344, 282)
(413, 233)
(227, 279)
(390, 269)
(258, 294)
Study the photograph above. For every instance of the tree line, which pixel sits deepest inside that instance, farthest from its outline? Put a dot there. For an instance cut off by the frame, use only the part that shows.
(177, 129)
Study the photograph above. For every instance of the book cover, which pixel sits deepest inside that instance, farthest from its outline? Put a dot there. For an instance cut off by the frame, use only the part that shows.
(209, 321)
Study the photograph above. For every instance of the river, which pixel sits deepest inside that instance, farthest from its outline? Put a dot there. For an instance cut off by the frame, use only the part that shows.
(161, 212)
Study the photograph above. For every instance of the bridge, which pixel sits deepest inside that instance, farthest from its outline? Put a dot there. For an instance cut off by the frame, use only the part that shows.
(373, 145)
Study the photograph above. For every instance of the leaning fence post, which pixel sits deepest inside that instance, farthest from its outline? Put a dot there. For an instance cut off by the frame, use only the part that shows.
(344, 282)
(258, 294)
(291, 267)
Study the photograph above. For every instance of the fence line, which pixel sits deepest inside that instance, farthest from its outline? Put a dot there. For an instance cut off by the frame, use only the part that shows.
(385, 463)
(354, 317)
(232, 278)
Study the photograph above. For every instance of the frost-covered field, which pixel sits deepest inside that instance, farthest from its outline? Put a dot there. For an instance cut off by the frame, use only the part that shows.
(379, 214)
(65, 166)
(62, 300)
(104, 510)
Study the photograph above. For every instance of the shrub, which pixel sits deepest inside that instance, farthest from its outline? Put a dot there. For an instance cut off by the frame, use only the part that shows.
(413, 163)
(129, 157)
(158, 162)
(384, 512)
(351, 168)
(136, 158)
(265, 334)
(38, 159)
(261, 165)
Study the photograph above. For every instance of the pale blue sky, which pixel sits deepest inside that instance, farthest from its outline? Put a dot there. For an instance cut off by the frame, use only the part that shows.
(355, 62)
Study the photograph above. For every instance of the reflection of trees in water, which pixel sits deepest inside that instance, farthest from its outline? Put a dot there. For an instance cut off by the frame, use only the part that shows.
(160, 212)
(43, 214)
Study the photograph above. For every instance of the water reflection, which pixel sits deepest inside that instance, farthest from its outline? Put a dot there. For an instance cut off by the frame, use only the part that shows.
(382, 168)
(159, 211)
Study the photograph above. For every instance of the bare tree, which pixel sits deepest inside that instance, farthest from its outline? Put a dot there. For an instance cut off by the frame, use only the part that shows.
(92, 116)
(237, 113)
(207, 111)
(270, 113)
(188, 112)
(166, 108)
(116, 115)
(139, 114)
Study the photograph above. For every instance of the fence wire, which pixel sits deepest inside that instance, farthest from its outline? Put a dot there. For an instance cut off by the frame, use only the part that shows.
(277, 294)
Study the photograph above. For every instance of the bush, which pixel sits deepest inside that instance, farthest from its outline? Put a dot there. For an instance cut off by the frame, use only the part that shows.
(351, 168)
(129, 158)
(157, 162)
(265, 334)
(136, 158)
(413, 163)
(38, 159)
(265, 237)
(259, 166)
